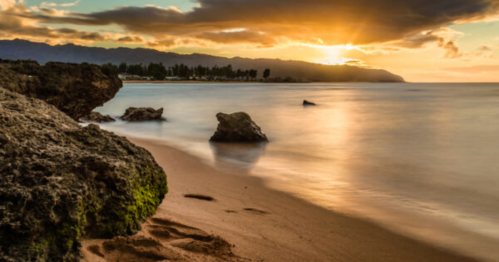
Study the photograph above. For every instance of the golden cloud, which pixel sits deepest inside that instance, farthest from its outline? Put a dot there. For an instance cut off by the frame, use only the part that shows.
(264, 23)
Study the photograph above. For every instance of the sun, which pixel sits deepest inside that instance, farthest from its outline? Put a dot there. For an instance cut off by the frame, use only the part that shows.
(332, 55)
(335, 55)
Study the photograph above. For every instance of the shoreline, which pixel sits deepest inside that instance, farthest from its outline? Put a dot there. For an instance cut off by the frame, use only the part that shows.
(183, 82)
(209, 82)
(269, 225)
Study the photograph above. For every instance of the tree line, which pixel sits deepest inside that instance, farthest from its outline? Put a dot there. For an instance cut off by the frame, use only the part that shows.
(159, 72)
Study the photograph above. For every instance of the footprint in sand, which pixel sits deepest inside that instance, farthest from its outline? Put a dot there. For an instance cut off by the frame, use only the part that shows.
(178, 231)
(170, 241)
(257, 211)
(190, 238)
(199, 197)
(95, 249)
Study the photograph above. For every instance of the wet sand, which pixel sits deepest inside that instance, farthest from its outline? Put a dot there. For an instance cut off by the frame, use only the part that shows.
(258, 223)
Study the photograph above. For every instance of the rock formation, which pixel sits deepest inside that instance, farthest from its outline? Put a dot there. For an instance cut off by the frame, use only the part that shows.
(308, 103)
(59, 181)
(75, 89)
(97, 117)
(237, 127)
(143, 114)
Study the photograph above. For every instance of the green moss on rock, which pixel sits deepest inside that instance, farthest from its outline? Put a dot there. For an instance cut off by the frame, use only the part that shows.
(60, 182)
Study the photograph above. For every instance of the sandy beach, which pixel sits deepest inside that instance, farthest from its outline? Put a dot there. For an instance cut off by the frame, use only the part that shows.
(259, 223)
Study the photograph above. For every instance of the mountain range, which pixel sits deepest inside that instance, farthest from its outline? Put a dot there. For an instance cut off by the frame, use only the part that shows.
(70, 53)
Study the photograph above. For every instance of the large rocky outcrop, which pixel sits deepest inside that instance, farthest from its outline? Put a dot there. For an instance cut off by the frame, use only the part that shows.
(75, 89)
(60, 182)
(135, 114)
(237, 127)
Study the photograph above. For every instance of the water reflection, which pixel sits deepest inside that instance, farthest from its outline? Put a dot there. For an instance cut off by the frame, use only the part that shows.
(399, 154)
(240, 156)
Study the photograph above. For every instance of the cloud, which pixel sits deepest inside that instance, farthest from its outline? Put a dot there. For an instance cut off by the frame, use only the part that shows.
(164, 43)
(267, 23)
(452, 51)
(14, 26)
(52, 4)
(130, 39)
(416, 41)
(444, 38)
(479, 69)
(484, 48)
(484, 51)
(385, 26)
(238, 37)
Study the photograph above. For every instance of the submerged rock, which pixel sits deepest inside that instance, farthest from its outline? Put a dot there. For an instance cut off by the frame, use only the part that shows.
(75, 89)
(97, 117)
(308, 103)
(237, 127)
(60, 182)
(143, 114)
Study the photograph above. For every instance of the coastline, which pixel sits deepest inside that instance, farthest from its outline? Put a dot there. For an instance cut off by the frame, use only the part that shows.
(268, 225)
(181, 82)
(239, 82)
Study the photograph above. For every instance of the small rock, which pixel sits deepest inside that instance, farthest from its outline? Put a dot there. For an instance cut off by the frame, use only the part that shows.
(308, 103)
(97, 117)
(237, 127)
(143, 114)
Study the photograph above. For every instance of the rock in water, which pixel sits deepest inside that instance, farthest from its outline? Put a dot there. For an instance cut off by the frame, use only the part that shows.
(75, 89)
(97, 117)
(60, 182)
(308, 103)
(237, 127)
(143, 114)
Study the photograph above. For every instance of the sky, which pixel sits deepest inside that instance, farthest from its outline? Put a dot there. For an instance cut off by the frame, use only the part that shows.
(421, 40)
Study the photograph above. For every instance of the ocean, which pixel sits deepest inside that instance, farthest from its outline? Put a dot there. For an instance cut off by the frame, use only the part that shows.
(419, 159)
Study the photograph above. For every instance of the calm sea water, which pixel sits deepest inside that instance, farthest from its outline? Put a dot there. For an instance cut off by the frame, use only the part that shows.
(421, 159)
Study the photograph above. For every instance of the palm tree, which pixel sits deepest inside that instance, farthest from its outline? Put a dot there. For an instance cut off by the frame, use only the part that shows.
(266, 74)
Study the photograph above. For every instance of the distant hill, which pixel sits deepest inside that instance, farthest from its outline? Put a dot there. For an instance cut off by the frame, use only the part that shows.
(22, 49)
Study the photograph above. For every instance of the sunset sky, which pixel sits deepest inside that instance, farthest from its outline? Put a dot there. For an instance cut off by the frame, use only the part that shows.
(421, 40)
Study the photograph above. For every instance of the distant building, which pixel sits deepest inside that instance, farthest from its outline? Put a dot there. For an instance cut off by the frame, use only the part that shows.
(172, 78)
(125, 76)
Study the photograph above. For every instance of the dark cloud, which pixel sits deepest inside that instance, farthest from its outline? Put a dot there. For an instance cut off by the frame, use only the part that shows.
(162, 43)
(130, 39)
(442, 38)
(13, 26)
(308, 21)
(332, 21)
(418, 40)
(72, 33)
(243, 36)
